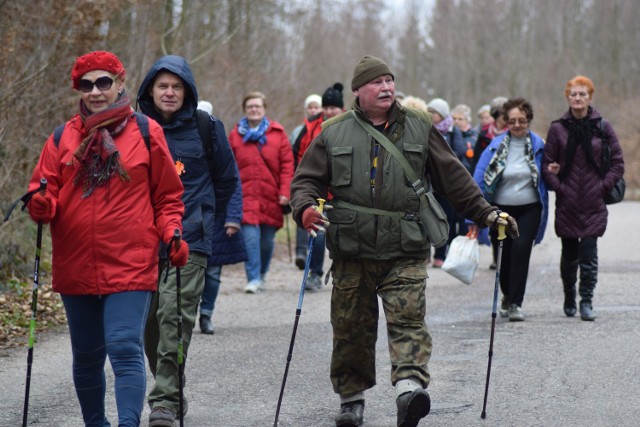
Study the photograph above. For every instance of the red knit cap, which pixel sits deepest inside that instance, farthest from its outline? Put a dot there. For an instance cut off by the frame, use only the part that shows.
(99, 60)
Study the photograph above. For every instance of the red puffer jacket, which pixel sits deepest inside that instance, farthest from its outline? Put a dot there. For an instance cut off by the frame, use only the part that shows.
(266, 174)
(312, 128)
(108, 242)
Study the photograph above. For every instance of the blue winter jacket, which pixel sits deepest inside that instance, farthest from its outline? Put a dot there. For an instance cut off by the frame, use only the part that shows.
(203, 194)
(538, 149)
(229, 250)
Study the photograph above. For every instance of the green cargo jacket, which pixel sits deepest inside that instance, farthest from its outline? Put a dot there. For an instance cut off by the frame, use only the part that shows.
(338, 161)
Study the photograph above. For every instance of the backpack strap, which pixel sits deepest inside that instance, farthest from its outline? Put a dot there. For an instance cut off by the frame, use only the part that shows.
(143, 126)
(57, 134)
(207, 131)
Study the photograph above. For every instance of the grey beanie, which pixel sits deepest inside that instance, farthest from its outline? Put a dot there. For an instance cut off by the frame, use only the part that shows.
(368, 68)
(440, 106)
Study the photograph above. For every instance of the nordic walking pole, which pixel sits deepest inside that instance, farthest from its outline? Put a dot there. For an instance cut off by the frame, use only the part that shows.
(501, 237)
(307, 264)
(176, 245)
(34, 307)
(286, 223)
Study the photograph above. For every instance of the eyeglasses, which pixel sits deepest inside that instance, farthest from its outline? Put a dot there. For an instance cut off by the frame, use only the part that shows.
(254, 107)
(102, 83)
(517, 121)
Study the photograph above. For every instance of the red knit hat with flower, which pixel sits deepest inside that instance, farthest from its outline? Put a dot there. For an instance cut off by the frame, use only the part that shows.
(98, 60)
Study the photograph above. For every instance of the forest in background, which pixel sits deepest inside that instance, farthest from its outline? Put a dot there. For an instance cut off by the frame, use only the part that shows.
(465, 51)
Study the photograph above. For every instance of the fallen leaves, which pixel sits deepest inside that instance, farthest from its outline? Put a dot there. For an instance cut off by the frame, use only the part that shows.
(15, 314)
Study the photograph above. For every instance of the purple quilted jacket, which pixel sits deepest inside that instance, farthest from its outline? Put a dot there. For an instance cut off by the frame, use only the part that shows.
(580, 208)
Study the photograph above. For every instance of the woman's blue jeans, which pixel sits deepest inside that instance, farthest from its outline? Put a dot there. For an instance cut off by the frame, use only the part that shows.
(259, 240)
(317, 257)
(108, 325)
(211, 289)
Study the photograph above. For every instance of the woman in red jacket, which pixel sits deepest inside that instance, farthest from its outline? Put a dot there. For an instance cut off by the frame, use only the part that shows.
(265, 162)
(110, 199)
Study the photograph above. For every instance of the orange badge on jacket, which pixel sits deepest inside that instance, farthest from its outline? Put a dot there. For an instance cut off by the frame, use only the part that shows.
(180, 167)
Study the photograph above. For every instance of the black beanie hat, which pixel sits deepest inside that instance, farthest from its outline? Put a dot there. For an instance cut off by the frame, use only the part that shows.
(368, 68)
(332, 97)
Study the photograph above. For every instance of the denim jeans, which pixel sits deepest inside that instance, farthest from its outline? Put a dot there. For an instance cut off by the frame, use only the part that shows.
(317, 257)
(259, 240)
(211, 288)
(108, 325)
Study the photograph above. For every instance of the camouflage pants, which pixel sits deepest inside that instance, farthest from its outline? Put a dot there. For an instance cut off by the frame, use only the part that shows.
(401, 286)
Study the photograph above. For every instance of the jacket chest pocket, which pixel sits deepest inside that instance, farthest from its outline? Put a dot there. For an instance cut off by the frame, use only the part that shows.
(414, 154)
(193, 160)
(341, 166)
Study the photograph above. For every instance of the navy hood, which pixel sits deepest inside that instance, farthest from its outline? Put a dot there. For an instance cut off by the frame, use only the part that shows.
(180, 67)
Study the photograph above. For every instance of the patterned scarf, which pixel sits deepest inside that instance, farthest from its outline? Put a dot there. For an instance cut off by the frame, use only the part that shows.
(498, 163)
(257, 133)
(445, 125)
(97, 155)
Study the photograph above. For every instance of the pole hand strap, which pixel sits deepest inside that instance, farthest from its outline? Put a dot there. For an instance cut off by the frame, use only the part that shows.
(24, 199)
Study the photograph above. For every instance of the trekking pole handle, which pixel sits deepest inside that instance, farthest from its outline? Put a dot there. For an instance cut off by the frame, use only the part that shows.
(320, 204)
(176, 239)
(43, 186)
(501, 228)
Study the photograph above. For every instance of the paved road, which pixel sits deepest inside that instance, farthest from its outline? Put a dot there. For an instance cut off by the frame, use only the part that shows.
(547, 371)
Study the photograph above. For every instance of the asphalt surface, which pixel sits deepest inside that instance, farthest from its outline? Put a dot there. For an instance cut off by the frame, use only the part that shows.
(549, 370)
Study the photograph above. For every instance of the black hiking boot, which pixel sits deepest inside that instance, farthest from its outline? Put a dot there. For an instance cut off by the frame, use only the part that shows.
(586, 311)
(412, 407)
(569, 305)
(206, 327)
(351, 414)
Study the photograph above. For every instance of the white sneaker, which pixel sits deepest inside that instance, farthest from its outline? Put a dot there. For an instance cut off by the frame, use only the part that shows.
(252, 287)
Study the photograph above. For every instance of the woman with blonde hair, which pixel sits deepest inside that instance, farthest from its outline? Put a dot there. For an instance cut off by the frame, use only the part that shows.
(265, 162)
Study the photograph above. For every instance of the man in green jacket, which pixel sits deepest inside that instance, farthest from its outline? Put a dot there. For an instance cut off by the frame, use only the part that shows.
(377, 239)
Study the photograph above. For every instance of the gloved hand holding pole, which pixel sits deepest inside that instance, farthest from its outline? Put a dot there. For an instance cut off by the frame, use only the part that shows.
(501, 225)
(313, 218)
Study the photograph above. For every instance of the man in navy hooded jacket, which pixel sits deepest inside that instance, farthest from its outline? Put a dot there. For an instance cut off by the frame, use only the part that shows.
(168, 95)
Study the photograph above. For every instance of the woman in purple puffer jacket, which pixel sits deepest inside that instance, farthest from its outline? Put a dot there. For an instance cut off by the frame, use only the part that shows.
(572, 168)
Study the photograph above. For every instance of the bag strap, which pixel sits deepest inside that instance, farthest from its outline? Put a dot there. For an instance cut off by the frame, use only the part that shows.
(57, 134)
(207, 131)
(416, 182)
(606, 148)
(143, 127)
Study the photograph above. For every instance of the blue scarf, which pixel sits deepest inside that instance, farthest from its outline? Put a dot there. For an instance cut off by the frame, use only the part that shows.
(253, 134)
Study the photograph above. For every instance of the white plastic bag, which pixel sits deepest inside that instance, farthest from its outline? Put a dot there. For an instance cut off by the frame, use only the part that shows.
(463, 258)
